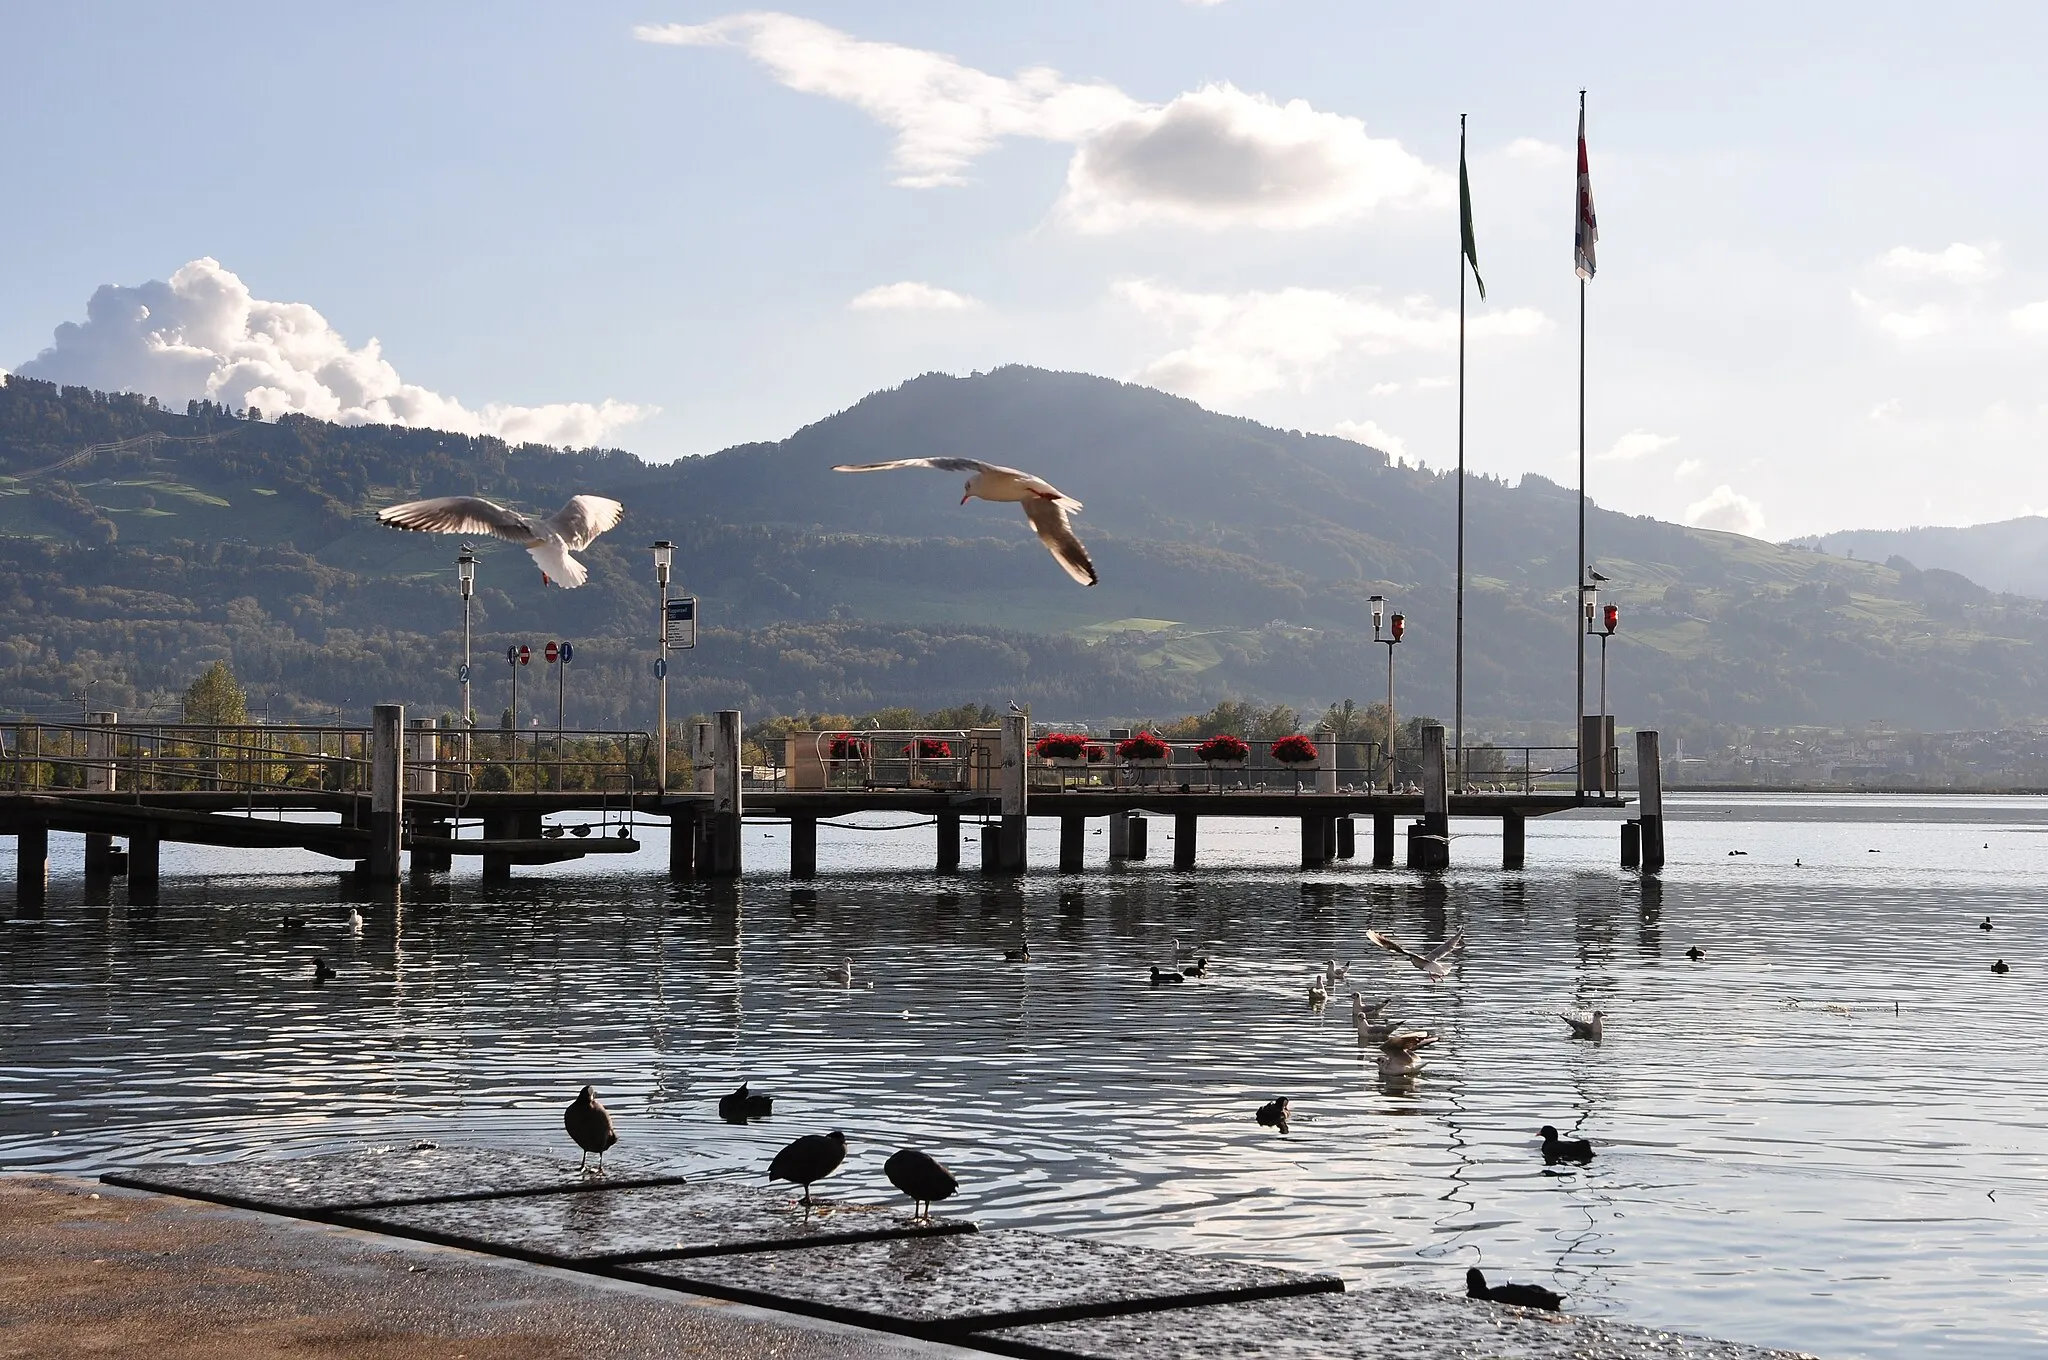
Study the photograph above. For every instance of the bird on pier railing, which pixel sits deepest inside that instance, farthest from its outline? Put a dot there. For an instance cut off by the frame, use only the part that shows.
(550, 541)
(1044, 505)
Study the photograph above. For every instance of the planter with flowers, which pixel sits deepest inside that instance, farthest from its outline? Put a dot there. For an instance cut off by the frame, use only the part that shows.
(1143, 754)
(1224, 752)
(928, 748)
(846, 758)
(1298, 754)
(1096, 753)
(1062, 750)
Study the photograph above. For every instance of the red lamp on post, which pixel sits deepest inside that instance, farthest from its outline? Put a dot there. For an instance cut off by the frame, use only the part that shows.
(1610, 619)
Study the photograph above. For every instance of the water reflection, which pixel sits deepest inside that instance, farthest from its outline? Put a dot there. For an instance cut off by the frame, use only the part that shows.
(1747, 1146)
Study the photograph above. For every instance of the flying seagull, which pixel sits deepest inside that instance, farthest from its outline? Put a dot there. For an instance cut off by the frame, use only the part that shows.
(1435, 965)
(570, 529)
(1043, 504)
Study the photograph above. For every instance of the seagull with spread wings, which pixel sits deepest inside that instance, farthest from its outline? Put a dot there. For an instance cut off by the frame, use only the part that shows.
(570, 529)
(1044, 505)
(1435, 965)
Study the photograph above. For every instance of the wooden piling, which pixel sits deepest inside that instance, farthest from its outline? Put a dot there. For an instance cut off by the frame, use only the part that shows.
(144, 847)
(1631, 844)
(32, 866)
(498, 826)
(1313, 849)
(1139, 832)
(1073, 842)
(1347, 838)
(1119, 836)
(682, 843)
(387, 791)
(1016, 793)
(1184, 834)
(1513, 839)
(722, 857)
(1650, 800)
(100, 777)
(1383, 840)
(803, 846)
(1429, 840)
(949, 842)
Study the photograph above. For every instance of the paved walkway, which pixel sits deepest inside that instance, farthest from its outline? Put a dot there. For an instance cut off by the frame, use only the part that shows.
(89, 1270)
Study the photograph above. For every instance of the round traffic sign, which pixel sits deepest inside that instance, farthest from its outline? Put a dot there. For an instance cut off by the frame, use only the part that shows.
(525, 655)
(550, 652)
(511, 656)
(568, 654)
(462, 673)
(661, 668)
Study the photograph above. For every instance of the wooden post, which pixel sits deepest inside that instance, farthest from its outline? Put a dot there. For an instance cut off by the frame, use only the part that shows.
(1184, 834)
(949, 842)
(100, 777)
(498, 826)
(387, 790)
(1326, 767)
(1632, 844)
(1016, 792)
(702, 740)
(1347, 838)
(32, 867)
(722, 833)
(143, 875)
(1383, 840)
(1073, 842)
(1312, 847)
(682, 842)
(803, 846)
(422, 755)
(1119, 822)
(1138, 830)
(1650, 800)
(1513, 839)
(1429, 840)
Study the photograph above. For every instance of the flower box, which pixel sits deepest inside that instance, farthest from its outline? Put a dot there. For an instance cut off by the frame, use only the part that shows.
(1062, 748)
(1297, 752)
(846, 747)
(1144, 751)
(1224, 751)
(928, 748)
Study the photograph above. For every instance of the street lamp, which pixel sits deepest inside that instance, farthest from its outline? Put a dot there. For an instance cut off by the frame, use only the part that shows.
(1589, 607)
(664, 553)
(1393, 628)
(465, 573)
(1610, 619)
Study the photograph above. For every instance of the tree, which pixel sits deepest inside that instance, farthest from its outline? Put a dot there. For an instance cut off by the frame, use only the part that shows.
(216, 698)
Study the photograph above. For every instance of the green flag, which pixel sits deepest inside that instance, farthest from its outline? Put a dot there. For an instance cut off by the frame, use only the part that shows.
(1465, 219)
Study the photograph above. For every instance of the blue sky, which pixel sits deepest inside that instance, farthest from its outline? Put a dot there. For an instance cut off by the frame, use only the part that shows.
(1822, 234)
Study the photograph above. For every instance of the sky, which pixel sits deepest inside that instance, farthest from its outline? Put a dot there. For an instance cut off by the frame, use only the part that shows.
(1821, 301)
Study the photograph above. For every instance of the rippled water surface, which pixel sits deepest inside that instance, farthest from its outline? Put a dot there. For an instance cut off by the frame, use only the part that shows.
(1827, 1134)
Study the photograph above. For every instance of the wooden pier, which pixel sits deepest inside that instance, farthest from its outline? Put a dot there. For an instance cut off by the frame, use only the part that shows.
(392, 799)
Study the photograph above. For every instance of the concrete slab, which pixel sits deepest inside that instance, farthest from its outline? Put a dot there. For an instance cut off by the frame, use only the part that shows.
(620, 1223)
(315, 1187)
(944, 1287)
(1385, 1324)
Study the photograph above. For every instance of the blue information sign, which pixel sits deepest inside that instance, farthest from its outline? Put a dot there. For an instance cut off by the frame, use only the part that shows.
(462, 673)
(568, 653)
(661, 668)
(682, 622)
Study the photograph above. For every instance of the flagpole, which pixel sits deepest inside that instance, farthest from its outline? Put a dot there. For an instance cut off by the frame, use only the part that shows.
(1579, 572)
(1459, 667)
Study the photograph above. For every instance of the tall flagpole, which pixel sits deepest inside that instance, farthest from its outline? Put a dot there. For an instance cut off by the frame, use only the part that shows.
(1459, 666)
(1579, 572)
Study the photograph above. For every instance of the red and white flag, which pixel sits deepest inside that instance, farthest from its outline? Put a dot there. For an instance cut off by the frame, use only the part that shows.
(1588, 233)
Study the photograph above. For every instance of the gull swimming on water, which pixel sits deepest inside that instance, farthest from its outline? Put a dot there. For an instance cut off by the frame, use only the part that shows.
(1043, 503)
(1318, 990)
(1436, 964)
(570, 529)
(1397, 1053)
(1584, 1026)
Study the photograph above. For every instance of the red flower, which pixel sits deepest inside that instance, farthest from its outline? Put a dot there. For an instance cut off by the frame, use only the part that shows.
(1223, 746)
(1295, 750)
(848, 747)
(1144, 746)
(1096, 755)
(930, 748)
(1061, 746)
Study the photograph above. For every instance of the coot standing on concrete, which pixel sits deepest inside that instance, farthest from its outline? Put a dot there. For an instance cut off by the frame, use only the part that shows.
(1556, 1149)
(920, 1176)
(590, 1124)
(1521, 1295)
(810, 1158)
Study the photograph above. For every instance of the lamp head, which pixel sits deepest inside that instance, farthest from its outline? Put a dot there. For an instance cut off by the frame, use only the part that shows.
(1379, 610)
(664, 553)
(465, 569)
(1610, 619)
(1397, 626)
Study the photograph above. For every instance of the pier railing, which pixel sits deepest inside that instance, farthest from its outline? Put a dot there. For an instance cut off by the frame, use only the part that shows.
(273, 759)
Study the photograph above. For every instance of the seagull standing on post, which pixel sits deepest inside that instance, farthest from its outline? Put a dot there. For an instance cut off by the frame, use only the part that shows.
(570, 529)
(1044, 505)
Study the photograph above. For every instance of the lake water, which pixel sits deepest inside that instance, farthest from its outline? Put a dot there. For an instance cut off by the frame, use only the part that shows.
(1828, 1134)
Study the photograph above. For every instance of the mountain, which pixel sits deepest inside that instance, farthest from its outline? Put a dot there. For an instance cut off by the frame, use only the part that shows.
(138, 544)
(2010, 555)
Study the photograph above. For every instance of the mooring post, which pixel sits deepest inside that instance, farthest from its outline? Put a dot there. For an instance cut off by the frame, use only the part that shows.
(143, 868)
(1015, 792)
(497, 827)
(1312, 842)
(100, 777)
(387, 790)
(803, 846)
(1073, 842)
(703, 737)
(1347, 838)
(1383, 840)
(1138, 830)
(682, 842)
(1650, 800)
(1514, 828)
(1632, 844)
(423, 775)
(32, 862)
(722, 838)
(949, 842)
(1429, 840)
(1326, 766)
(1184, 837)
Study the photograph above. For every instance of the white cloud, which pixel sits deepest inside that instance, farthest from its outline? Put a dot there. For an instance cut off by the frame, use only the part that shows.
(1239, 344)
(1724, 508)
(1213, 157)
(1687, 467)
(1540, 154)
(202, 334)
(2032, 318)
(1386, 389)
(1369, 433)
(1887, 410)
(1916, 323)
(1959, 263)
(909, 296)
(1425, 384)
(1637, 444)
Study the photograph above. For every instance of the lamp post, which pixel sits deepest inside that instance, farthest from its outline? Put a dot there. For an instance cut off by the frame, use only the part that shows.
(465, 573)
(1393, 628)
(1610, 619)
(664, 552)
(1589, 608)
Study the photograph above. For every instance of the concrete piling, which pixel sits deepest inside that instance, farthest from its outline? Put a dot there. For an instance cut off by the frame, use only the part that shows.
(1073, 843)
(1016, 793)
(1429, 840)
(682, 843)
(387, 791)
(1631, 844)
(721, 857)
